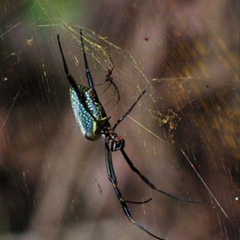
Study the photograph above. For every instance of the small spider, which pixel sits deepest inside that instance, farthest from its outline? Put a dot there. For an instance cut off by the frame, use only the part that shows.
(94, 123)
(109, 80)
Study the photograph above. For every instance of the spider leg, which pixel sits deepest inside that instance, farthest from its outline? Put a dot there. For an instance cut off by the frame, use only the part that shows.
(128, 111)
(146, 181)
(113, 179)
(69, 76)
(116, 91)
(88, 73)
(100, 84)
(143, 202)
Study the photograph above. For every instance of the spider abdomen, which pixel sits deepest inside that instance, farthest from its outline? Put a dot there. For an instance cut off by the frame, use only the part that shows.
(89, 112)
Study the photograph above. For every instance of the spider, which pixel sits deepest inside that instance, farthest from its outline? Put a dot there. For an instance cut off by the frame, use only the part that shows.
(94, 123)
(109, 80)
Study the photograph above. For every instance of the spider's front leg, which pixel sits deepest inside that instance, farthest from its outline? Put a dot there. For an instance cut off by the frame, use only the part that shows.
(88, 73)
(69, 76)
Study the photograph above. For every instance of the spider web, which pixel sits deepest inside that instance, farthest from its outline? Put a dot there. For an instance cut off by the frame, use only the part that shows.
(182, 134)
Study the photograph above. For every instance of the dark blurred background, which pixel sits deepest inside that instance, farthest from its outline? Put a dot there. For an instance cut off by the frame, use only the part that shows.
(183, 135)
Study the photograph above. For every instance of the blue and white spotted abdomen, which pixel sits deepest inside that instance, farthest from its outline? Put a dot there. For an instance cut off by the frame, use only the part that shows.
(89, 112)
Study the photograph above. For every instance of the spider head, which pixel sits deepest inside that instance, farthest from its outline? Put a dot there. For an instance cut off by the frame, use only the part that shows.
(114, 142)
(117, 143)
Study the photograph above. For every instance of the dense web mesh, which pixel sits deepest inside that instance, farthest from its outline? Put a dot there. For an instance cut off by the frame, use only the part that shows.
(182, 134)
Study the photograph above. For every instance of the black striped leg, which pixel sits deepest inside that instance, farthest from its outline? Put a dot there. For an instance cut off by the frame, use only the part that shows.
(113, 179)
(146, 181)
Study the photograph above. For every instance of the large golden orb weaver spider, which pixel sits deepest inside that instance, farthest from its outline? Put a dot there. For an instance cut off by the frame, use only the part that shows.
(94, 123)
